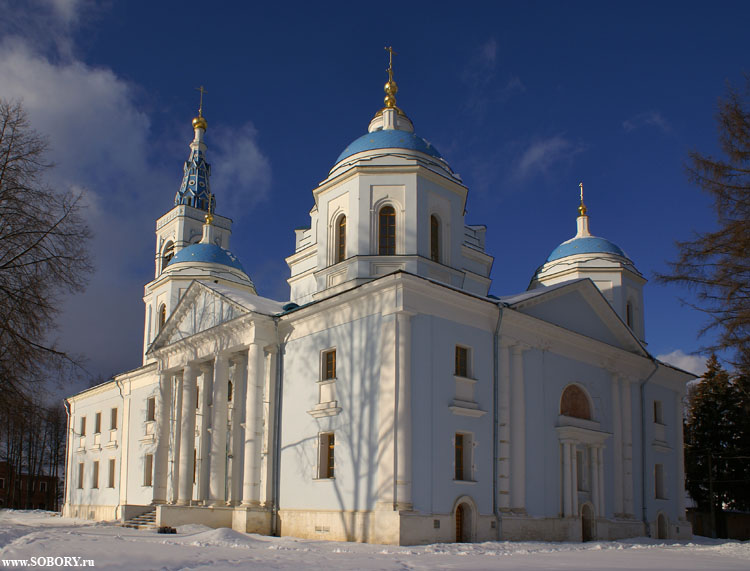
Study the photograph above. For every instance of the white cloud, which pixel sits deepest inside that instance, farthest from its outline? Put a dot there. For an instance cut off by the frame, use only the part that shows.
(101, 142)
(241, 173)
(540, 155)
(691, 363)
(489, 51)
(647, 119)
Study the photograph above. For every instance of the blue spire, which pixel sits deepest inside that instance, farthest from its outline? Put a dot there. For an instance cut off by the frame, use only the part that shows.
(195, 189)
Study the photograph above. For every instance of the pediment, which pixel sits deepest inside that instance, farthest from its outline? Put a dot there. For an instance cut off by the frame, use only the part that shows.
(579, 306)
(200, 308)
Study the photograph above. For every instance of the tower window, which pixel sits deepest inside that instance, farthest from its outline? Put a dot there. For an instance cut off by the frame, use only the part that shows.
(341, 239)
(167, 255)
(329, 364)
(326, 461)
(387, 231)
(162, 316)
(434, 239)
(629, 314)
(658, 412)
(83, 426)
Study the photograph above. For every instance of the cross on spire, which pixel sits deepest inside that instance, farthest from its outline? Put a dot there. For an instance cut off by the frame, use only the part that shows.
(582, 207)
(391, 53)
(200, 106)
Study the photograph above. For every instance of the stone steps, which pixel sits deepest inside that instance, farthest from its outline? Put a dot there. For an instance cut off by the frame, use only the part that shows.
(144, 521)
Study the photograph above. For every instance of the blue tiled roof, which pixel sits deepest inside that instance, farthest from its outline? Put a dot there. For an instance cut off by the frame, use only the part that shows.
(389, 139)
(585, 245)
(207, 253)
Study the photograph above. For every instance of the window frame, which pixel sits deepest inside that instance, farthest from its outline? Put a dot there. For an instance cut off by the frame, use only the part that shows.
(328, 370)
(148, 470)
(81, 475)
(435, 244)
(112, 471)
(326, 456)
(113, 414)
(339, 254)
(463, 444)
(462, 365)
(98, 423)
(151, 409)
(387, 231)
(95, 475)
(658, 412)
(83, 426)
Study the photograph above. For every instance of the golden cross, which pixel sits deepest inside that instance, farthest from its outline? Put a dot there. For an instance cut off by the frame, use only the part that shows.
(200, 107)
(581, 185)
(391, 53)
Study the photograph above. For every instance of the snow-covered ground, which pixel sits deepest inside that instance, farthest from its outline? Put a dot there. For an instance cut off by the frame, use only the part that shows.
(27, 534)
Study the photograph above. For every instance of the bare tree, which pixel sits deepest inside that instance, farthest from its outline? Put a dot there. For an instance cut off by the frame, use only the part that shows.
(43, 255)
(716, 265)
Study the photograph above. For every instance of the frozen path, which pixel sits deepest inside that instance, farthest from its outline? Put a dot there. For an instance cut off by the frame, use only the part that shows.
(24, 535)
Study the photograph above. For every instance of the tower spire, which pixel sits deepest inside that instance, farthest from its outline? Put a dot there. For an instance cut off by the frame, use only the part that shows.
(195, 189)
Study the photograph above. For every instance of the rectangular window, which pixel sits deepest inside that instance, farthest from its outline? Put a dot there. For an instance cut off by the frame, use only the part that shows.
(658, 412)
(329, 364)
(462, 361)
(2, 483)
(111, 483)
(659, 482)
(95, 475)
(326, 455)
(98, 423)
(80, 475)
(151, 409)
(197, 396)
(83, 426)
(42, 486)
(462, 456)
(148, 470)
(113, 419)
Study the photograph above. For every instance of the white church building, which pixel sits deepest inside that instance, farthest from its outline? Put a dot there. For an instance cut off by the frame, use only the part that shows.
(392, 399)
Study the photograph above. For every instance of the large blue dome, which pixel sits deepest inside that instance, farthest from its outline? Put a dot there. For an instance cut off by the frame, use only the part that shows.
(207, 253)
(585, 245)
(389, 139)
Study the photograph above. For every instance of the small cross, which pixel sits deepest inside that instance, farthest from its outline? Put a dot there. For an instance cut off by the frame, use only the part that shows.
(200, 107)
(581, 185)
(391, 53)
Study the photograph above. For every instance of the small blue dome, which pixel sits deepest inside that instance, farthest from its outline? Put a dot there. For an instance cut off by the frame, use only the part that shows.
(389, 139)
(207, 253)
(585, 245)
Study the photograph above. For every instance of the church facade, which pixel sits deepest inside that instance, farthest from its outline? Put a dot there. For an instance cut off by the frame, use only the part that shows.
(392, 399)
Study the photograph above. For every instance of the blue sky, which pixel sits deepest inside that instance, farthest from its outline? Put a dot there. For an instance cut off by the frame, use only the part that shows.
(524, 100)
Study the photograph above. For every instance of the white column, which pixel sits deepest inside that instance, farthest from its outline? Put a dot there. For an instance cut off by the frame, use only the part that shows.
(187, 436)
(269, 392)
(253, 400)
(618, 451)
(627, 448)
(593, 453)
(567, 498)
(175, 430)
(518, 434)
(680, 458)
(239, 383)
(403, 413)
(573, 479)
(600, 476)
(203, 456)
(163, 406)
(504, 430)
(218, 463)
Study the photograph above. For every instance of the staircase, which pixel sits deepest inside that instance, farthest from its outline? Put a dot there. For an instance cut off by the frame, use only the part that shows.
(144, 521)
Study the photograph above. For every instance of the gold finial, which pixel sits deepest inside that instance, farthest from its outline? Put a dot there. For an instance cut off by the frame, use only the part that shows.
(390, 88)
(582, 208)
(199, 122)
(210, 213)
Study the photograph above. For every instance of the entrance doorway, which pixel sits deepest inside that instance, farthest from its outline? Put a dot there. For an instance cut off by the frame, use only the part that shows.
(587, 523)
(661, 527)
(463, 523)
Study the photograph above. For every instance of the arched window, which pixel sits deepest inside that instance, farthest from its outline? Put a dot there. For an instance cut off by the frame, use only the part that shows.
(575, 403)
(162, 316)
(341, 239)
(230, 391)
(387, 231)
(434, 239)
(167, 255)
(629, 314)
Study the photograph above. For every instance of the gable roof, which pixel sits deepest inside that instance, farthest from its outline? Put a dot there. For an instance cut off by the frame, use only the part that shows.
(579, 306)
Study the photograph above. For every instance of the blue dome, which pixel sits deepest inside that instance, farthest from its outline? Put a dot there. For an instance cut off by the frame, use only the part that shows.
(585, 245)
(389, 139)
(207, 253)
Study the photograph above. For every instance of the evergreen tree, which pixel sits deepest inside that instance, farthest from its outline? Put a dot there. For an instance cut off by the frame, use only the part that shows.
(717, 442)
